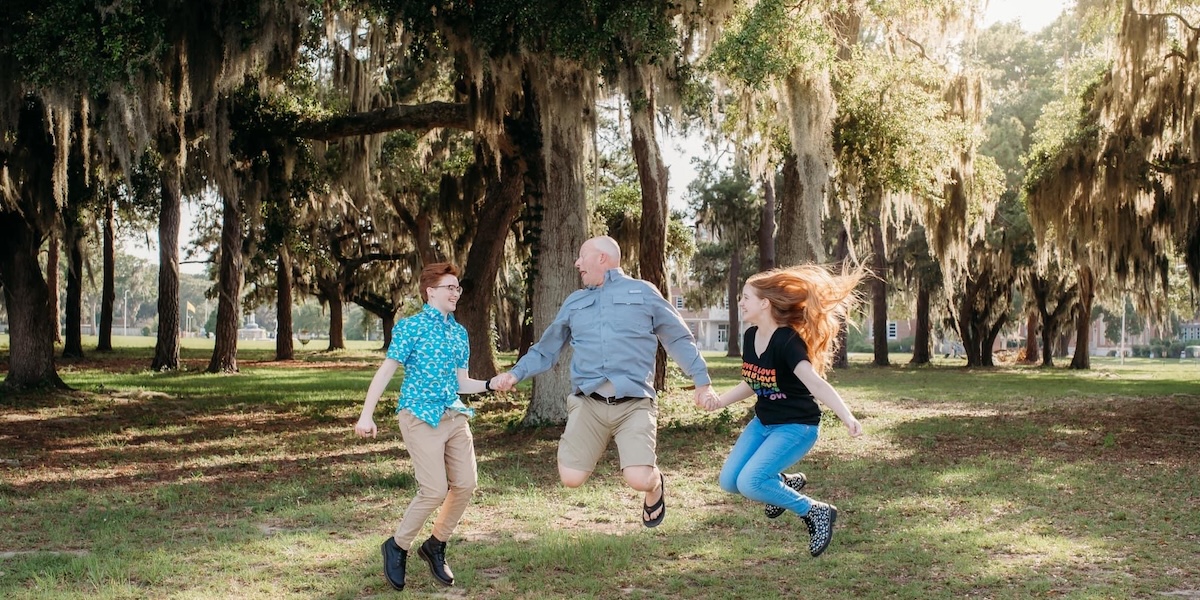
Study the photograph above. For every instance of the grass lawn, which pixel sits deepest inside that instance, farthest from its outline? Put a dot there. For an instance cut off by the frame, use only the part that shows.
(1016, 482)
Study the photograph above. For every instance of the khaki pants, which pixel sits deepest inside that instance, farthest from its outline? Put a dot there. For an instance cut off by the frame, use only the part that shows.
(443, 459)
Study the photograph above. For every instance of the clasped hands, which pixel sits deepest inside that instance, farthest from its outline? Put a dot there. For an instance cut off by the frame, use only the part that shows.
(503, 382)
(705, 396)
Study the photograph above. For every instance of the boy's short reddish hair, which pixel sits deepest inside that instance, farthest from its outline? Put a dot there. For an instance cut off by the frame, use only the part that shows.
(432, 274)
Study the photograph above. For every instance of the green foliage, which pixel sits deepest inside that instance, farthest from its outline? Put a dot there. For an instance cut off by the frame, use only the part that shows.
(81, 44)
(770, 40)
(891, 134)
(597, 33)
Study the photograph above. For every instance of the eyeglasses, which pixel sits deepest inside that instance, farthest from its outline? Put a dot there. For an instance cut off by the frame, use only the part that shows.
(457, 289)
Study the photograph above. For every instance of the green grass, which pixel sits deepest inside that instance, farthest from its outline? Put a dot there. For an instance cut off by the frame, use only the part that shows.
(1016, 482)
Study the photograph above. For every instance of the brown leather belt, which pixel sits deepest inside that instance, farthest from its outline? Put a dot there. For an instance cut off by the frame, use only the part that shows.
(614, 400)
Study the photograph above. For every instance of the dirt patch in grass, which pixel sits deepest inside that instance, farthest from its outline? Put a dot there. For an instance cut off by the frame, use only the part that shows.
(1152, 429)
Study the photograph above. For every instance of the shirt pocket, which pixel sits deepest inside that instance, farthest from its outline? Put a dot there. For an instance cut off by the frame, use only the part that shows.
(631, 315)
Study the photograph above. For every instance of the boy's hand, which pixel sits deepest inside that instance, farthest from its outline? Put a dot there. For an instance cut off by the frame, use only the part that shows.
(365, 427)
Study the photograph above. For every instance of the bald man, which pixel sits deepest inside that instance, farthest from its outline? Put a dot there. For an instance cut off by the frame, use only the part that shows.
(614, 326)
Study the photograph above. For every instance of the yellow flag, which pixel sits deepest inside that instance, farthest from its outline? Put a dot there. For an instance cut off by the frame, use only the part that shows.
(190, 307)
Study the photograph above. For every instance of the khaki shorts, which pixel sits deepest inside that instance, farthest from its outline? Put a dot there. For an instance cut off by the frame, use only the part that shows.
(591, 423)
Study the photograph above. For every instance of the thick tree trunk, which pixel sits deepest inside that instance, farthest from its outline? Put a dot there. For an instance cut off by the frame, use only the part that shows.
(563, 92)
(766, 225)
(921, 346)
(966, 332)
(229, 286)
(652, 177)
(1083, 320)
(285, 348)
(108, 294)
(166, 348)
(22, 231)
(810, 108)
(798, 239)
(52, 282)
(27, 299)
(879, 300)
(73, 242)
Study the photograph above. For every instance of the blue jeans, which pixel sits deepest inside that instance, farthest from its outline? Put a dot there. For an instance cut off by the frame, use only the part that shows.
(761, 453)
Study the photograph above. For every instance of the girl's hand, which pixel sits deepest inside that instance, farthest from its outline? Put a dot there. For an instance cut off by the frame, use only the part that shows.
(854, 427)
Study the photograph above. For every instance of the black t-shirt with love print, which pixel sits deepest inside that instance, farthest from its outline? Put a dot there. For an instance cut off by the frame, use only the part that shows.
(781, 397)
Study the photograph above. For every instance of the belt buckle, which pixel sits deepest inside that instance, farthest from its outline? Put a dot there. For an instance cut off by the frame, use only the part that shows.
(611, 401)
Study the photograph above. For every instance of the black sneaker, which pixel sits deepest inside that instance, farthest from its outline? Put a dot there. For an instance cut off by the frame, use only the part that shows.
(820, 519)
(434, 553)
(394, 561)
(795, 481)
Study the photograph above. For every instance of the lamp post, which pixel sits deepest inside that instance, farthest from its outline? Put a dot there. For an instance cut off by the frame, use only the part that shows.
(125, 315)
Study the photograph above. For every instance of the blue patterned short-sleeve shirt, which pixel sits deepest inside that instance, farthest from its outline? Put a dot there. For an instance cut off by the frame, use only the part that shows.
(432, 347)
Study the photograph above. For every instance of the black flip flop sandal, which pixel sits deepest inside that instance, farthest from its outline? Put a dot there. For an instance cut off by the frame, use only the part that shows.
(660, 506)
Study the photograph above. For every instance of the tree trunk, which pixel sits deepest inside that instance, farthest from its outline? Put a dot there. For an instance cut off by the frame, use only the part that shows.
(921, 346)
(1083, 320)
(388, 322)
(652, 177)
(841, 359)
(810, 108)
(800, 203)
(285, 348)
(879, 301)
(166, 348)
(1031, 337)
(966, 332)
(73, 242)
(52, 282)
(987, 352)
(31, 342)
(337, 320)
(476, 313)
(108, 295)
(79, 198)
(735, 275)
(22, 231)
(229, 286)
(766, 225)
(563, 93)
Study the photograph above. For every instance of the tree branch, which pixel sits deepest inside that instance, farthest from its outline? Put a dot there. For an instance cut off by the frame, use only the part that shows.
(922, 49)
(1172, 14)
(410, 117)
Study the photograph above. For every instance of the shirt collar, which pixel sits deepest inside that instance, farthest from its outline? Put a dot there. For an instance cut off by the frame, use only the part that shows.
(610, 275)
(430, 312)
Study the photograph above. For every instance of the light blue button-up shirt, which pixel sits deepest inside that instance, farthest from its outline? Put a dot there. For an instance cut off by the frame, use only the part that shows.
(614, 330)
(432, 347)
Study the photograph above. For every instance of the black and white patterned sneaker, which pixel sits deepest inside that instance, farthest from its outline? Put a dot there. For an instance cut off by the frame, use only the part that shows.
(795, 481)
(820, 519)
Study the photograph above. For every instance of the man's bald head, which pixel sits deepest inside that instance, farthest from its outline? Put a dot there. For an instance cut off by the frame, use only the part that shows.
(596, 257)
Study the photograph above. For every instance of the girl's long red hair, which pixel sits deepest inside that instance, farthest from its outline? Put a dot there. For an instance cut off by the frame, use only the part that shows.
(811, 300)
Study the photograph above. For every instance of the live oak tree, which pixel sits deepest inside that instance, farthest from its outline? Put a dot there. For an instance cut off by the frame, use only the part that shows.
(1113, 185)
